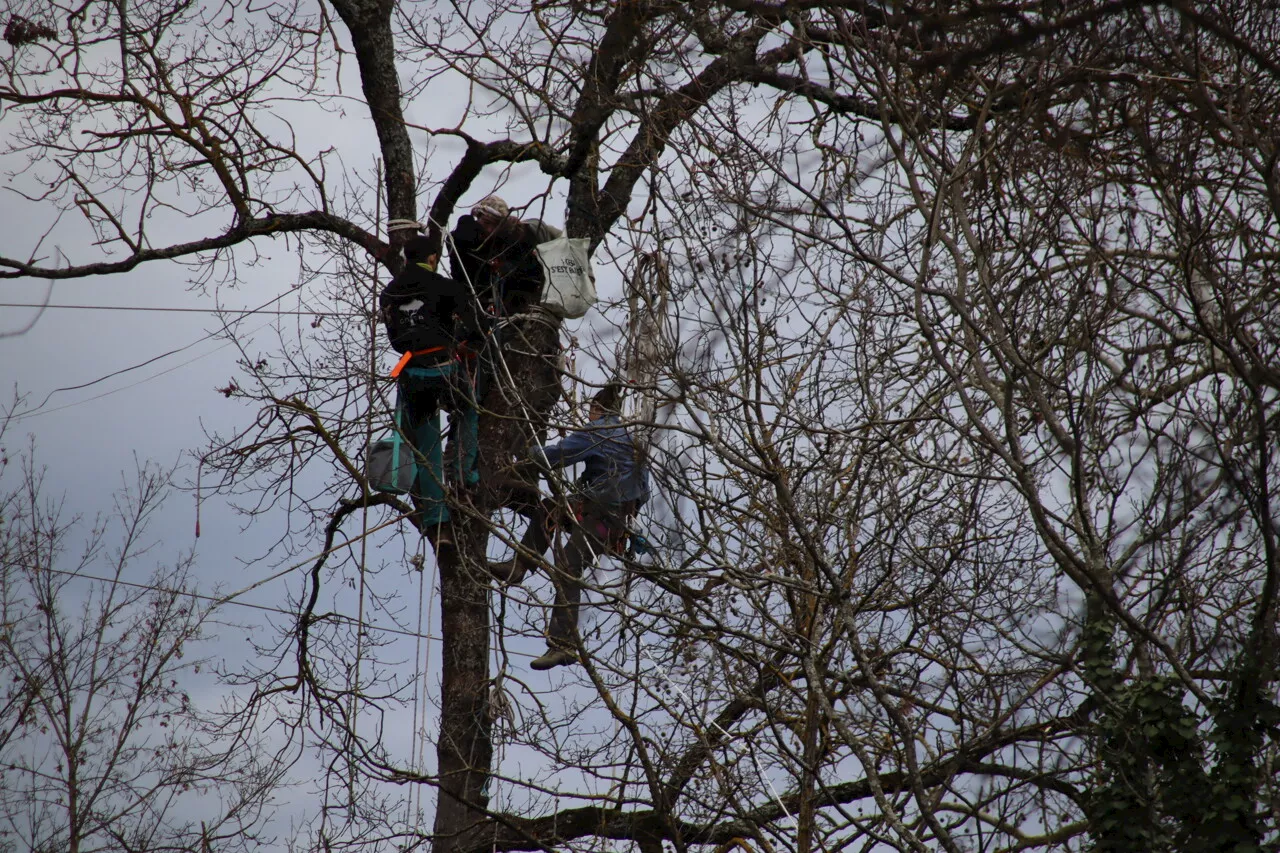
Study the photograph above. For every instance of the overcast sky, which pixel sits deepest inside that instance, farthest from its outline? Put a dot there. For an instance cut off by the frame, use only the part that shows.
(106, 390)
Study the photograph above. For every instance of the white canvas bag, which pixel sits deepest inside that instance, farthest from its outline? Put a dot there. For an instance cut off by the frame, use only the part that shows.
(570, 282)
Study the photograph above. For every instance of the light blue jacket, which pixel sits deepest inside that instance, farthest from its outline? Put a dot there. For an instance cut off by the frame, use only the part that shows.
(613, 472)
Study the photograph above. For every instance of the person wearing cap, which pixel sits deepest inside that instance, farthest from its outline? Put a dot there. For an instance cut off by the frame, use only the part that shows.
(613, 486)
(497, 255)
(434, 322)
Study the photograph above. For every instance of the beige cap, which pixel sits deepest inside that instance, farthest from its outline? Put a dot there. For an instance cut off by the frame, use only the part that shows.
(491, 206)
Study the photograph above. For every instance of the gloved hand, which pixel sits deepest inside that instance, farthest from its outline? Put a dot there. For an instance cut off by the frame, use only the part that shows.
(639, 545)
(468, 233)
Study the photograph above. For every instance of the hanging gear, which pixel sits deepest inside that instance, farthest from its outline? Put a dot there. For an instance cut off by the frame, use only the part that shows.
(389, 462)
(570, 288)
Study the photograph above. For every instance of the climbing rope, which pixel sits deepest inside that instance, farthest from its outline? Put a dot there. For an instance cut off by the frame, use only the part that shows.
(421, 698)
(352, 708)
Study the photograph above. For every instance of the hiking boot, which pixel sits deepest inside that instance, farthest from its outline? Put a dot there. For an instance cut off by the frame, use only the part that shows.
(553, 658)
(509, 571)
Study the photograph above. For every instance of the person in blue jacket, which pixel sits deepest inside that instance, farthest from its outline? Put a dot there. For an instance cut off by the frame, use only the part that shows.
(613, 486)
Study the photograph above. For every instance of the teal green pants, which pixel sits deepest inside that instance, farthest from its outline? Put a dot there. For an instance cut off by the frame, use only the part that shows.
(424, 391)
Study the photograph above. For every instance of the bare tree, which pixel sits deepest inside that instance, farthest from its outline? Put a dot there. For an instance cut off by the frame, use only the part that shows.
(102, 746)
(962, 386)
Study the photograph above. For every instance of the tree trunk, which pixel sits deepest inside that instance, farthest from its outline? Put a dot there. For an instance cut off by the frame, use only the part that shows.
(464, 748)
(524, 386)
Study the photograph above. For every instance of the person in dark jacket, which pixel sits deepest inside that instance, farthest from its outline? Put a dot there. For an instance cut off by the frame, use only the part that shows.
(497, 254)
(434, 322)
(613, 486)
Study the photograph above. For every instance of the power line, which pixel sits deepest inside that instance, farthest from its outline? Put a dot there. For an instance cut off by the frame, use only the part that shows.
(38, 410)
(220, 601)
(175, 310)
(230, 598)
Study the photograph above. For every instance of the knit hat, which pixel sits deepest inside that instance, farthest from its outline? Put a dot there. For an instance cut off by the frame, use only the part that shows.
(491, 206)
(609, 398)
(418, 248)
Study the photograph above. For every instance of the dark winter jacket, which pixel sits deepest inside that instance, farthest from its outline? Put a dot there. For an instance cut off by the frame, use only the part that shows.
(423, 309)
(613, 471)
(502, 266)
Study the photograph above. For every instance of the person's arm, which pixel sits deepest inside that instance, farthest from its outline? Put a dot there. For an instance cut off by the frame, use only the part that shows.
(574, 448)
(399, 332)
(464, 247)
(471, 319)
(541, 231)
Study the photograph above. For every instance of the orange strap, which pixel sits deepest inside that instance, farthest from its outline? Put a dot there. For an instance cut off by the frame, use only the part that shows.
(408, 356)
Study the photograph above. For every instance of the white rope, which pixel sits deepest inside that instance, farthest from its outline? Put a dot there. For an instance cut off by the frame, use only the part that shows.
(420, 716)
(352, 707)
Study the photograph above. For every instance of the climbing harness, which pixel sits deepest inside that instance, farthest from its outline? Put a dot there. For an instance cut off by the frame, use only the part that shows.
(410, 355)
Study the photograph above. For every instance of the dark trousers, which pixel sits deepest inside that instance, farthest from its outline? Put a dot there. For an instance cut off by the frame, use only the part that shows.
(593, 533)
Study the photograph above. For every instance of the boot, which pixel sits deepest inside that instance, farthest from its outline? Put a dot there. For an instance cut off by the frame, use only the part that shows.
(552, 658)
(510, 572)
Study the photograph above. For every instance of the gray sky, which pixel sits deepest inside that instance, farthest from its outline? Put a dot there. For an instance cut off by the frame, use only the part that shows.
(90, 439)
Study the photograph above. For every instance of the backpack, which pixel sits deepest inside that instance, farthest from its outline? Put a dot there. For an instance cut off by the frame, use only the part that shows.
(422, 309)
